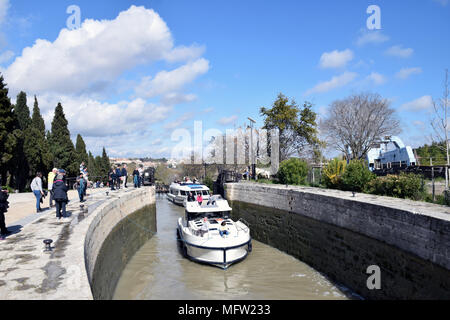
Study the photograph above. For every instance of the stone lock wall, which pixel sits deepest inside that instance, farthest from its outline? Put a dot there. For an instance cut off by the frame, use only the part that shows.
(119, 229)
(342, 236)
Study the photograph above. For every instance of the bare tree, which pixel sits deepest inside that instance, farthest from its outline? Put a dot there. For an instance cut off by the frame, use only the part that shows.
(355, 123)
(440, 124)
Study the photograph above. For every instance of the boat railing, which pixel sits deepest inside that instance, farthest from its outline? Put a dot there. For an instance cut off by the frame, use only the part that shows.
(247, 225)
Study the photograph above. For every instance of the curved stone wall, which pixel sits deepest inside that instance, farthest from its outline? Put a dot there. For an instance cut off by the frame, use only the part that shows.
(119, 229)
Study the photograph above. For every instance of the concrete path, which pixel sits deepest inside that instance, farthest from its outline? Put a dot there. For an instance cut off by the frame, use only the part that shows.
(27, 271)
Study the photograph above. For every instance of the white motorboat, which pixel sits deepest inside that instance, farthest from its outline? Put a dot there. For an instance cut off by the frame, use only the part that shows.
(178, 192)
(208, 235)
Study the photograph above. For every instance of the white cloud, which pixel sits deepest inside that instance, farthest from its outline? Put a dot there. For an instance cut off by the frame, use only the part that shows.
(399, 51)
(335, 82)
(405, 73)
(227, 120)
(4, 6)
(376, 78)
(6, 56)
(421, 104)
(93, 118)
(92, 57)
(171, 81)
(371, 37)
(336, 59)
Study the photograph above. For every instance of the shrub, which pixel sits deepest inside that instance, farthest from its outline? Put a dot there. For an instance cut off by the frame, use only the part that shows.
(406, 186)
(333, 172)
(209, 183)
(356, 177)
(293, 171)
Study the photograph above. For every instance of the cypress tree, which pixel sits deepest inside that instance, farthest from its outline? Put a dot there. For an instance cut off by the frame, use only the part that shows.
(61, 146)
(36, 146)
(9, 133)
(22, 111)
(21, 166)
(80, 148)
(105, 165)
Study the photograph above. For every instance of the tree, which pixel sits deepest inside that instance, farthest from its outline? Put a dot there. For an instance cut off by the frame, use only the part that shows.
(61, 145)
(36, 146)
(440, 124)
(9, 132)
(297, 127)
(355, 123)
(105, 164)
(21, 166)
(80, 148)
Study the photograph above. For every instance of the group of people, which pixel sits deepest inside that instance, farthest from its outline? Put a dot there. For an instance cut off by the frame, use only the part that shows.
(4, 205)
(58, 191)
(118, 177)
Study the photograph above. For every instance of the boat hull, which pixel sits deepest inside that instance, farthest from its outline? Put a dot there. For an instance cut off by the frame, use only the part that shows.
(219, 256)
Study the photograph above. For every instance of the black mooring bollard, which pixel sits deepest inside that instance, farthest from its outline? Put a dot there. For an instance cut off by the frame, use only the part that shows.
(48, 243)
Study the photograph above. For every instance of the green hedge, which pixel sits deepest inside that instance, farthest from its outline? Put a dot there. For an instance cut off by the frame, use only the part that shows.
(293, 171)
(406, 186)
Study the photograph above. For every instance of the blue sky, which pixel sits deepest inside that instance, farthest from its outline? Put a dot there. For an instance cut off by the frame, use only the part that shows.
(219, 62)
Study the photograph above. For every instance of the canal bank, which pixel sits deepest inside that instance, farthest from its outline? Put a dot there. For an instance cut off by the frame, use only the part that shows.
(89, 250)
(341, 236)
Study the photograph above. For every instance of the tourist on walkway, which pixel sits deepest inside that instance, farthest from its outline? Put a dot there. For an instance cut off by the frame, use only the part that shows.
(136, 181)
(51, 178)
(118, 176)
(124, 174)
(60, 195)
(4, 205)
(36, 187)
(141, 175)
(112, 178)
(81, 187)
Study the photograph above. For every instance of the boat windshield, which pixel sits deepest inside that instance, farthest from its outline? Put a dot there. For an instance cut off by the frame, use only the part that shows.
(209, 215)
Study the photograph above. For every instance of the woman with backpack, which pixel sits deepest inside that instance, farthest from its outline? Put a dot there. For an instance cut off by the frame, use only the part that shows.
(60, 196)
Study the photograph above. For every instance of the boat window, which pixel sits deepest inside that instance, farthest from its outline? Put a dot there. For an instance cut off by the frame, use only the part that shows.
(205, 192)
(183, 193)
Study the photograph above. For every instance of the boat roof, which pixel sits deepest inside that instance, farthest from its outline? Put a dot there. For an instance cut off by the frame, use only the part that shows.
(219, 205)
(189, 186)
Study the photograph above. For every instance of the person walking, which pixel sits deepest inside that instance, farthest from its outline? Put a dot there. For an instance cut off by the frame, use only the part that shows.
(112, 178)
(141, 175)
(136, 178)
(51, 178)
(124, 174)
(4, 205)
(81, 187)
(60, 196)
(118, 176)
(36, 187)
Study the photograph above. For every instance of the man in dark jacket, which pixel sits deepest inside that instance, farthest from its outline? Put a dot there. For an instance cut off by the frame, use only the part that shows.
(124, 175)
(112, 178)
(60, 196)
(118, 176)
(4, 205)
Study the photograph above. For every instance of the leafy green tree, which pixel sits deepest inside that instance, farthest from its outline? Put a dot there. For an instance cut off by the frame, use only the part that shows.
(356, 177)
(297, 126)
(9, 133)
(61, 146)
(293, 171)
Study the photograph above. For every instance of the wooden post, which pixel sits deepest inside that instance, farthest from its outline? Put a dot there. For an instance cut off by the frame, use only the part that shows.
(432, 184)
